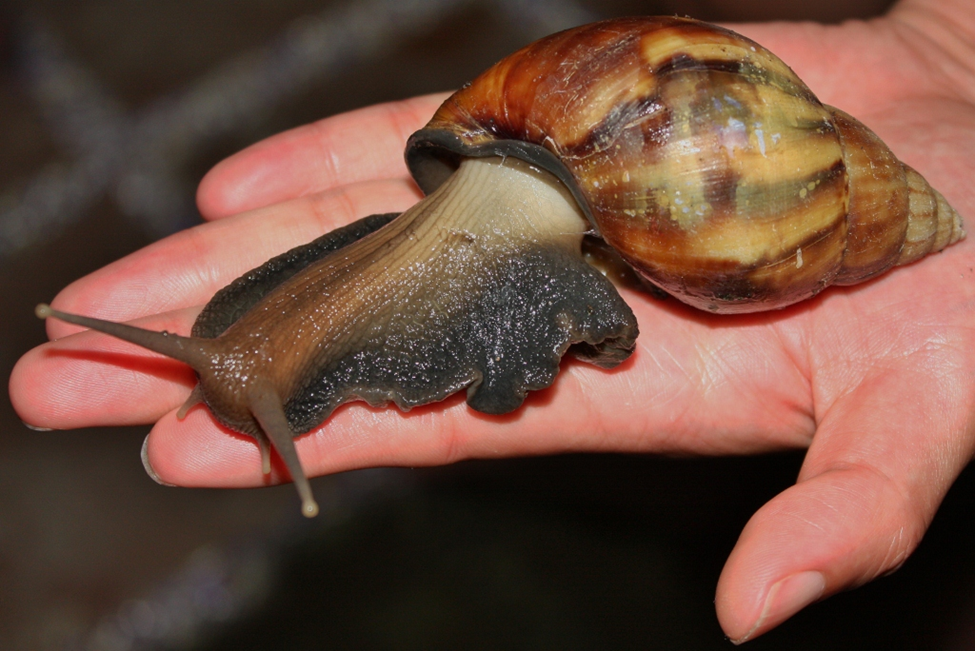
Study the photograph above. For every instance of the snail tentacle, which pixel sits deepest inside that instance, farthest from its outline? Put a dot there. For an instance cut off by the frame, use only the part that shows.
(191, 351)
(195, 398)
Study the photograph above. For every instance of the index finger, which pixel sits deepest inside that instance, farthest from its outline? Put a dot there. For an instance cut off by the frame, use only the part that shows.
(365, 144)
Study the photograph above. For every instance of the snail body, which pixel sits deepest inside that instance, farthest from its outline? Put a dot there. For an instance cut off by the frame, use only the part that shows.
(694, 152)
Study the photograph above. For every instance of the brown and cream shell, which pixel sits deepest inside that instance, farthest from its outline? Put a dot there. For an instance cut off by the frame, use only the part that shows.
(700, 157)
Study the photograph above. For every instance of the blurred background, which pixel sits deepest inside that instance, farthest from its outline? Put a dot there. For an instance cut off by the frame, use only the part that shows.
(110, 112)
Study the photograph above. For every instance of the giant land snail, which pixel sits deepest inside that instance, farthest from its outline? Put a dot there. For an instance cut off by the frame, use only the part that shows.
(694, 152)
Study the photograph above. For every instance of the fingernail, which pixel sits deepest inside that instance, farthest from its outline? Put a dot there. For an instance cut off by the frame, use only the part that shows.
(38, 428)
(785, 599)
(148, 466)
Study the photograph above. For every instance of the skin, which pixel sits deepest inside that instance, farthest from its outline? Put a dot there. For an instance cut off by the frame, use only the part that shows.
(876, 381)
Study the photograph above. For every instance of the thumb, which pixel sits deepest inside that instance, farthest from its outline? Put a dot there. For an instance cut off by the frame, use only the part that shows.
(871, 482)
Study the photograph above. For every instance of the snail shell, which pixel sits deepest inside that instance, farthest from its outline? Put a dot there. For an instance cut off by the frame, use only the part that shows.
(693, 151)
(700, 157)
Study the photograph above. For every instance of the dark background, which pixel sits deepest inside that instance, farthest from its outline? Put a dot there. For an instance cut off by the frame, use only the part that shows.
(110, 112)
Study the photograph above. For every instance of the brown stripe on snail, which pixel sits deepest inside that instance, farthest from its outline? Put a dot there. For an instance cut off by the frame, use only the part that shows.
(694, 152)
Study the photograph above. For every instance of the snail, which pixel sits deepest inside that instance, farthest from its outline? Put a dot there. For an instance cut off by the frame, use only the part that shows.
(692, 151)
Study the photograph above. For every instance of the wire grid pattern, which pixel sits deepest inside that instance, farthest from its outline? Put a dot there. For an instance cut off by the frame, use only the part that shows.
(137, 157)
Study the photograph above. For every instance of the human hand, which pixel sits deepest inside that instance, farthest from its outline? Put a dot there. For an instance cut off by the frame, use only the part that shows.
(877, 380)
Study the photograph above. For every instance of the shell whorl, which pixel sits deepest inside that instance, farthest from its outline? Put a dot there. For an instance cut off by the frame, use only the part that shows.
(894, 216)
(700, 157)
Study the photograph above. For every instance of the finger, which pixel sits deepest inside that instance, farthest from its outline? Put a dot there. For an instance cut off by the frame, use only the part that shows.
(874, 476)
(667, 398)
(361, 145)
(187, 268)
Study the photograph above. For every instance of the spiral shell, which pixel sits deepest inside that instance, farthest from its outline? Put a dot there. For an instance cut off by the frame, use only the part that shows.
(700, 157)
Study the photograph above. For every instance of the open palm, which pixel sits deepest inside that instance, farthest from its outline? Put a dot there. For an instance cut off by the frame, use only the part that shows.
(877, 380)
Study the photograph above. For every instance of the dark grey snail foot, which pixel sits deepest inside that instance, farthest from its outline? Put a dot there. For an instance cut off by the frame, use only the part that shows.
(546, 303)
(498, 336)
(485, 296)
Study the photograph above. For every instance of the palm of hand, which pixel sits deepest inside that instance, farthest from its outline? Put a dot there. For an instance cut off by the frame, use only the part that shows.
(875, 379)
